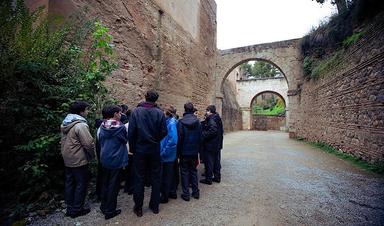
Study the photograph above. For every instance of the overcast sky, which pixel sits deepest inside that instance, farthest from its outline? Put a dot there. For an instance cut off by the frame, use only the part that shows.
(249, 22)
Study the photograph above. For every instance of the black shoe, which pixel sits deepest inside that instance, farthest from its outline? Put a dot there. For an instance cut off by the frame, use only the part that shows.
(154, 210)
(217, 180)
(78, 214)
(112, 215)
(163, 200)
(138, 211)
(196, 196)
(205, 181)
(185, 197)
(172, 196)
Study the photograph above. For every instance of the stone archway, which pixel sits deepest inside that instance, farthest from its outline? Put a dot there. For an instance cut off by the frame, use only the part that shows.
(284, 55)
(283, 96)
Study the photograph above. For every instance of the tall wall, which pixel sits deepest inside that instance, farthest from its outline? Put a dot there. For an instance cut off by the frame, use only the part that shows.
(346, 107)
(166, 45)
(231, 113)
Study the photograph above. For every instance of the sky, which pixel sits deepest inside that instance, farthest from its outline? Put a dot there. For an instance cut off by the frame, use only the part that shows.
(250, 22)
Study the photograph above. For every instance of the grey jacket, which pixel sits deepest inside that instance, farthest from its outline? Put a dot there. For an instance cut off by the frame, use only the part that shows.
(77, 145)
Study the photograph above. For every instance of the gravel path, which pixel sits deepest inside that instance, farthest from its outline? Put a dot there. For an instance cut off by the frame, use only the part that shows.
(268, 179)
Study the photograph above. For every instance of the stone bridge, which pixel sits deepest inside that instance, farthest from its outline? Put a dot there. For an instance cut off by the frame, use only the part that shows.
(284, 55)
(247, 90)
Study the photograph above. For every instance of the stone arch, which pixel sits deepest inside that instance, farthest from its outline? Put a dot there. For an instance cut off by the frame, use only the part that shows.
(244, 61)
(269, 91)
(284, 55)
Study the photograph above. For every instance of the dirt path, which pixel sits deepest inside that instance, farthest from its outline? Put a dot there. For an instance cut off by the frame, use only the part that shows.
(267, 179)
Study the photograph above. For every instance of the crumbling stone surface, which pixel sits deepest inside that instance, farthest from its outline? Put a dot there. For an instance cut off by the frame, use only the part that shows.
(346, 108)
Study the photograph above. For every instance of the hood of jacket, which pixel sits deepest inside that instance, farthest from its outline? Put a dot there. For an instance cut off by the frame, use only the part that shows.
(111, 128)
(190, 120)
(70, 121)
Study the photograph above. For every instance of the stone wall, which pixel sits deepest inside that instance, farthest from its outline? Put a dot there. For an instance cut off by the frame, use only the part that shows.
(346, 108)
(157, 47)
(231, 114)
(262, 122)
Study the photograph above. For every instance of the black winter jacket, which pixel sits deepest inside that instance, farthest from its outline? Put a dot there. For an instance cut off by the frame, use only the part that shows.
(189, 134)
(147, 127)
(211, 138)
(220, 129)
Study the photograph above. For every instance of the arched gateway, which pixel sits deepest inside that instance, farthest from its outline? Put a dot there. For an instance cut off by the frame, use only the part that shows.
(284, 55)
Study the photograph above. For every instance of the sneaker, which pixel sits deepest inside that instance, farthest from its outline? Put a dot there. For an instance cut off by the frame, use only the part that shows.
(196, 196)
(154, 210)
(78, 214)
(112, 215)
(138, 211)
(173, 196)
(217, 180)
(185, 197)
(163, 200)
(205, 181)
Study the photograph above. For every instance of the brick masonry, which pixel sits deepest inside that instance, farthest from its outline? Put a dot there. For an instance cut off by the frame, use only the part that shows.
(346, 108)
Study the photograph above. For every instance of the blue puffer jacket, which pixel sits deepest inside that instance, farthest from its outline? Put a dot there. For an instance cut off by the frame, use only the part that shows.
(113, 143)
(168, 145)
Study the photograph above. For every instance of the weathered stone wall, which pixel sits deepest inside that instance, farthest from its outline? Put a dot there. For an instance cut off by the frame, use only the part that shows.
(231, 114)
(157, 47)
(262, 122)
(346, 108)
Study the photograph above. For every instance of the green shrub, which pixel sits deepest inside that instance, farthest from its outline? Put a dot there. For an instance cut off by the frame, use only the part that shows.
(352, 39)
(45, 64)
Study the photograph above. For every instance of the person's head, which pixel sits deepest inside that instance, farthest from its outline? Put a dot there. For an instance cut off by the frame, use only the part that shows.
(112, 112)
(151, 96)
(170, 111)
(188, 107)
(124, 108)
(79, 108)
(211, 109)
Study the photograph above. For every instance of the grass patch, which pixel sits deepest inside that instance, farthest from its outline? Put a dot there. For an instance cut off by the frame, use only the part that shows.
(359, 162)
(327, 65)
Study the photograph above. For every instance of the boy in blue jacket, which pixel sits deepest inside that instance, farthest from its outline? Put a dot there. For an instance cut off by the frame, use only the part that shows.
(113, 138)
(168, 148)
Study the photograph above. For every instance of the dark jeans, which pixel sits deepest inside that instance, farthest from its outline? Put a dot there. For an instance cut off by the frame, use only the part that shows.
(217, 165)
(76, 182)
(167, 180)
(129, 176)
(176, 177)
(189, 175)
(99, 180)
(141, 163)
(110, 190)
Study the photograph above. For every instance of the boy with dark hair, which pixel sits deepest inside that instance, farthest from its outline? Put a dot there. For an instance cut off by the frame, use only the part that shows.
(189, 132)
(147, 127)
(77, 149)
(124, 117)
(211, 144)
(113, 140)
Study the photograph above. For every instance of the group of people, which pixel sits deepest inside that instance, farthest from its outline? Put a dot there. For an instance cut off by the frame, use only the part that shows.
(148, 147)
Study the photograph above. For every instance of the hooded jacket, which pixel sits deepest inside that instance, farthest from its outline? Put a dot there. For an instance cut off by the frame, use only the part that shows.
(211, 137)
(77, 145)
(146, 129)
(113, 138)
(168, 144)
(220, 129)
(189, 132)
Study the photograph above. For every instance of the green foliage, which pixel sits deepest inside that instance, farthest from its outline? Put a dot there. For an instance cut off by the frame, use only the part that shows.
(352, 39)
(259, 69)
(329, 38)
(44, 66)
(359, 162)
(273, 106)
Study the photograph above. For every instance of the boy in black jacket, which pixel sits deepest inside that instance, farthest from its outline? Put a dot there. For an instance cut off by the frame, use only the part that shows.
(189, 133)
